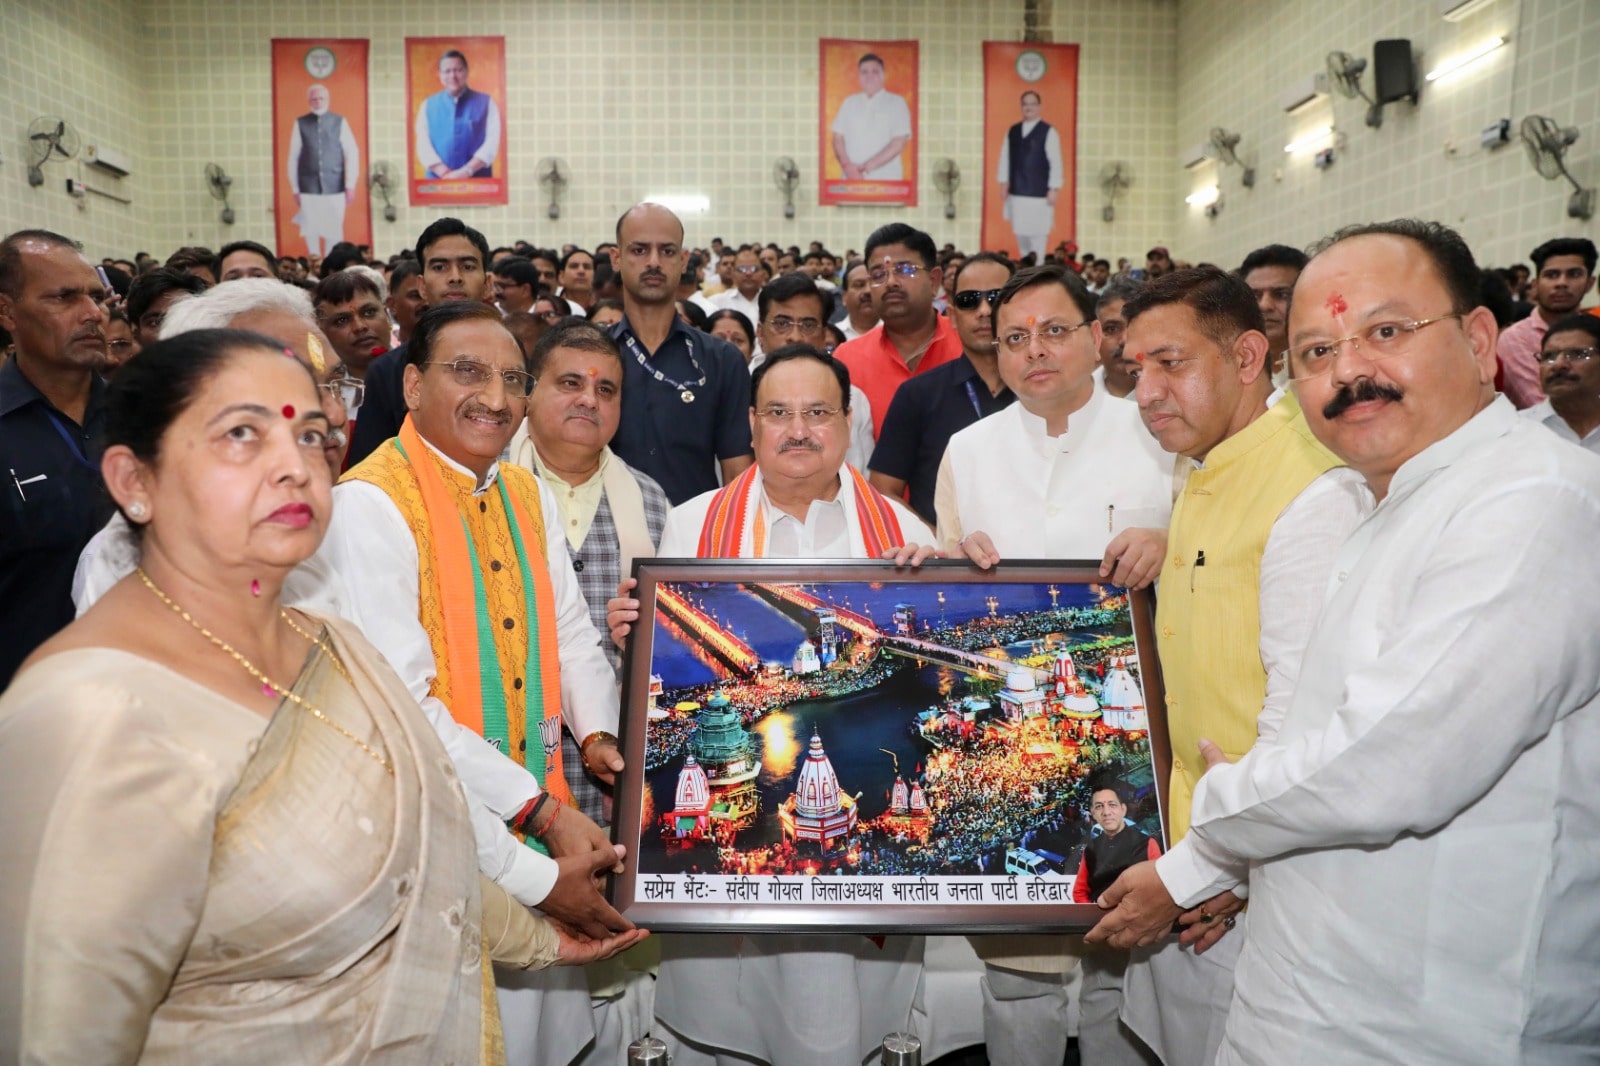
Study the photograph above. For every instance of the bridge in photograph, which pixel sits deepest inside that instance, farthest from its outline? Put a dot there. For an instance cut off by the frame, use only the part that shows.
(707, 632)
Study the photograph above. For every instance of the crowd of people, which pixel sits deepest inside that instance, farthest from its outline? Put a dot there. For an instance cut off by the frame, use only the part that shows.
(314, 575)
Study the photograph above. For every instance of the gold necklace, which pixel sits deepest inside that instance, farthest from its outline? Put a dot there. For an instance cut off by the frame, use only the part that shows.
(314, 711)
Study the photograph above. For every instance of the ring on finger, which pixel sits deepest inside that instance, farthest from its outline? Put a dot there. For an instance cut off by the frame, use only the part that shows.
(1206, 917)
(1231, 920)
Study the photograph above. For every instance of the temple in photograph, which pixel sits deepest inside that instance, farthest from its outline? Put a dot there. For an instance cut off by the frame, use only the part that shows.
(818, 810)
(1121, 702)
(691, 804)
(721, 745)
(1071, 694)
(909, 815)
(805, 659)
(656, 711)
(1021, 699)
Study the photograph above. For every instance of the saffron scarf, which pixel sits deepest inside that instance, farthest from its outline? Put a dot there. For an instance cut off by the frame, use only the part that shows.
(724, 534)
(477, 684)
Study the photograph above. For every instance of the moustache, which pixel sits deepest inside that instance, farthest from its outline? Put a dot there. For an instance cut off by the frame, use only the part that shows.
(479, 411)
(799, 445)
(653, 275)
(90, 335)
(1364, 390)
(582, 415)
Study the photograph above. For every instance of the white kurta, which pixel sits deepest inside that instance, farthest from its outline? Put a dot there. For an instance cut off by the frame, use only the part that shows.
(1044, 497)
(791, 1000)
(1545, 415)
(868, 124)
(1424, 873)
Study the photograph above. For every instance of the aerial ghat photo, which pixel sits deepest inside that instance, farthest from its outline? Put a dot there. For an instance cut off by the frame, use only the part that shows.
(868, 729)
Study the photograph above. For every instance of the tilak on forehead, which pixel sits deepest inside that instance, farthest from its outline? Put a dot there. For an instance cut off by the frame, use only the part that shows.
(1336, 304)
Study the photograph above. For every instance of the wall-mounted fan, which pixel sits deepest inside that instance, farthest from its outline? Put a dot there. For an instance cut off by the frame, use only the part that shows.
(947, 179)
(48, 138)
(219, 183)
(1547, 145)
(553, 179)
(1226, 145)
(786, 176)
(1344, 74)
(382, 182)
(1115, 178)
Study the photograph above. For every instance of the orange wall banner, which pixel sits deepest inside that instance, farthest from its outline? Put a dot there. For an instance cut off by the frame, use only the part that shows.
(456, 120)
(1032, 205)
(867, 100)
(319, 144)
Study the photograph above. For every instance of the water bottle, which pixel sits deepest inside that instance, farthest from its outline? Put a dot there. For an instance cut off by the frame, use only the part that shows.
(901, 1049)
(648, 1051)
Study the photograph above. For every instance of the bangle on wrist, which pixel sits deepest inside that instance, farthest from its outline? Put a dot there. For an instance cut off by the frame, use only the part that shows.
(597, 735)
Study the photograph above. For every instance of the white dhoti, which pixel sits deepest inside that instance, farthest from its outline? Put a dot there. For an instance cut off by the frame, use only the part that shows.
(1177, 1001)
(791, 1000)
(321, 218)
(1032, 219)
(545, 1015)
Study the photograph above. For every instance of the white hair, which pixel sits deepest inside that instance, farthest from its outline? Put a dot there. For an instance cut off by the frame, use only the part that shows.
(218, 306)
(372, 275)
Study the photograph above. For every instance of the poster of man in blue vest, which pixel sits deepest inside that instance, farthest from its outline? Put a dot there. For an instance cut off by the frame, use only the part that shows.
(458, 136)
(1030, 161)
(319, 140)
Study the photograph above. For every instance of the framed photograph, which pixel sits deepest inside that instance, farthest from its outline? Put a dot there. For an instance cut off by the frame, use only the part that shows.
(848, 746)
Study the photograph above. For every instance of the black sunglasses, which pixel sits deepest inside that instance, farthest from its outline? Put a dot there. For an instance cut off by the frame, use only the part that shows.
(968, 299)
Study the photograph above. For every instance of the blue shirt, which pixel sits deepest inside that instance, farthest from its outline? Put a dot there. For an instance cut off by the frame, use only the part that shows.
(679, 444)
(926, 411)
(52, 500)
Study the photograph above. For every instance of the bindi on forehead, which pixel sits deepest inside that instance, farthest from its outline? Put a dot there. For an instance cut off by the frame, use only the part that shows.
(288, 410)
(1336, 304)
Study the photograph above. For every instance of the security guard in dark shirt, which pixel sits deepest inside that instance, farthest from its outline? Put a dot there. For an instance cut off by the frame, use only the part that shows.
(52, 428)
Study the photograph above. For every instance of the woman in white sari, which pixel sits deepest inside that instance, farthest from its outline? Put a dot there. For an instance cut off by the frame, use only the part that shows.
(227, 833)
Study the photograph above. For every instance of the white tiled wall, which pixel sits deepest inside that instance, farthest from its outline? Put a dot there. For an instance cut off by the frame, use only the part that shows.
(638, 96)
(1239, 56)
(77, 60)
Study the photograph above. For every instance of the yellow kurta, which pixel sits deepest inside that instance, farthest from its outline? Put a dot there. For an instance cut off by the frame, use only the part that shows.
(488, 528)
(1208, 618)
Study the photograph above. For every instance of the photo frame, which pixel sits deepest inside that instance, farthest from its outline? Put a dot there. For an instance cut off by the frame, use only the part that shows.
(844, 745)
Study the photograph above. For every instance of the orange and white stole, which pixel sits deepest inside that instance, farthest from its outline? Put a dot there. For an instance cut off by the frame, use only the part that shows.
(734, 519)
(479, 696)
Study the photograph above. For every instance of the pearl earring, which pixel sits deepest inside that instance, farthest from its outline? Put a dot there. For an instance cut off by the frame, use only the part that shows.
(136, 510)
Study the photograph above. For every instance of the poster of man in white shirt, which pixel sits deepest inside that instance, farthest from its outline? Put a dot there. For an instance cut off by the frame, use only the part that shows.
(868, 121)
(1031, 175)
(324, 171)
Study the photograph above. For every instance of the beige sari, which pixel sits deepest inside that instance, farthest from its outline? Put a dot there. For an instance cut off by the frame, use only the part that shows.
(182, 881)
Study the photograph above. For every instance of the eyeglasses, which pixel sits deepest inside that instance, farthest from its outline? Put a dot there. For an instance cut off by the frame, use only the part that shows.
(347, 390)
(549, 316)
(807, 327)
(1382, 340)
(812, 416)
(969, 299)
(471, 374)
(880, 275)
(369, 314)
(747, 269)
(1054, 338)
(1571, 355)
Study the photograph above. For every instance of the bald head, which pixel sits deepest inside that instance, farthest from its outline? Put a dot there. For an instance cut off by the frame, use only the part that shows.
(648, 211)
(649, 256)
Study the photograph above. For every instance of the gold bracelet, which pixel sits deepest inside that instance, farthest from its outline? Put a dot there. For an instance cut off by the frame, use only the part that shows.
(598, 734)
